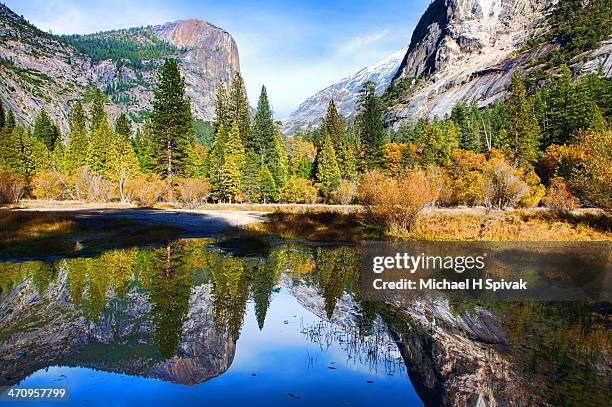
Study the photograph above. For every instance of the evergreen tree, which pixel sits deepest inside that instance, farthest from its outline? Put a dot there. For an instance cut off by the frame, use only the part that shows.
(345, 150)
(10, 150)
(250, 179)
(470, 122)
(78, 143)
(233, 164)
(523, 131)
(45, 130)
(222, 114)
(267, 186)
(97, 114)
(328, 172)
(370, 126)
(10, 122)
(98, 151)
(143, 147)
(123, 126)
(216, 156)
(240, 111)
(278, 162)
(173, 130)
(437, 141)
(262, 140)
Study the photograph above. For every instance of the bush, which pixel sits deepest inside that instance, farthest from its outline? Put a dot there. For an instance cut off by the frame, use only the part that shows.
(299, 190)
(503, 186)
(558, 197)
(50, 185)
(591, 180)
(535, 191)
(193, 191)
(89, 186)
(345, 194)
(394, 203)
(145, 191)
(11, 188)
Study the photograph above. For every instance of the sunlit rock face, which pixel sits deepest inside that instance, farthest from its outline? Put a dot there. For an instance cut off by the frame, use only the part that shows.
(468, 49)
(43, 72)
(40, 330)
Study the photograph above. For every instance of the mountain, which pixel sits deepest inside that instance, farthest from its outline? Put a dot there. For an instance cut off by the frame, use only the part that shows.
(344, 93)
(42, 71)
(469, 49)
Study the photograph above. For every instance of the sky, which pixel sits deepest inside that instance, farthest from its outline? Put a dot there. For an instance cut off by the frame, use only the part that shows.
(294, 48)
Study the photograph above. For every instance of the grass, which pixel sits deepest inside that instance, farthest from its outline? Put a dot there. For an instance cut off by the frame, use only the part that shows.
(33, 235)
(519, 225)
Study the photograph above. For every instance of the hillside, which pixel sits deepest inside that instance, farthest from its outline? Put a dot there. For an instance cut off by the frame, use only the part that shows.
(463, 50)
(39, 70)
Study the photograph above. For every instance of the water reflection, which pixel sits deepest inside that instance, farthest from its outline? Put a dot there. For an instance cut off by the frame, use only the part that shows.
(180, 313)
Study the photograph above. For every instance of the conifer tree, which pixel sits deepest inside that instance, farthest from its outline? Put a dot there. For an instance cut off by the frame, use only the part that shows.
(216, 156)
(278, 163)
(173, 129)
(97, 114)
(345, 151)
(523, 130)
(10, 122)
(143, 147)
(328, 172)
(45, 130)
(233, 164)
(222, 114)
(10, 149)
(250, 176)
(240, 111)
(267, 187)
(78, 143)
(123, 126)
(370, 126)
(98, 151)
(262, 140)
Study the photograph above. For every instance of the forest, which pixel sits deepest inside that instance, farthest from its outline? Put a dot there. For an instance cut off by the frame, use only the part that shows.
(548, 147)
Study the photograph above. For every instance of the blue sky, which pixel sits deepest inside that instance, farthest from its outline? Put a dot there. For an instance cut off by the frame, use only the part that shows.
(294, 48)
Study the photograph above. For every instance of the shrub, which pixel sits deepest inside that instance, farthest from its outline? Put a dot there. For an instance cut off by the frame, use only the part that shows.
(299, 190)
(145, 191)
(394, 203)
(193, 191)
(11, 188)
(50, 184)
(345, 194)
(590, 180)
(503, 186)
(89, 186)
(534, 193)
(558, 197)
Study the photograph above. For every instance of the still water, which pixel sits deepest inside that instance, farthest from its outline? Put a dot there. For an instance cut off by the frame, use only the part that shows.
(209, 323)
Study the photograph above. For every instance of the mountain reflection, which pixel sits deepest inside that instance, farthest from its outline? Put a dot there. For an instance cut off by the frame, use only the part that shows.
(176, 312)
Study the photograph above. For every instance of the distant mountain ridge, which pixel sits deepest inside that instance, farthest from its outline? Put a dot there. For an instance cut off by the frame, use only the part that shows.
(42, 71)
(344, 93)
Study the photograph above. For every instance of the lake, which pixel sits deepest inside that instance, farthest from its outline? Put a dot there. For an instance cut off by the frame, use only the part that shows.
(257, 322)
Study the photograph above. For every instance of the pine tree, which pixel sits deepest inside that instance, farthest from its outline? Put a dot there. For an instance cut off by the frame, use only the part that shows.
(278, 163)
(267, 186)
(233, 164)
(216, 155)
(523, 130)
(10, 149)
(123, 126)
(222, 114)
(240, 111)
(173, 130)
(45, 130)
(370, 126)
(10, 122)
(98, 151)
(97, 114)
(328, 172)
(250, 176)
(78, 144)
(143, 147)
(262, 140)
(436, 142)
(470, 122)
(345, 151)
